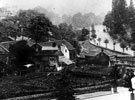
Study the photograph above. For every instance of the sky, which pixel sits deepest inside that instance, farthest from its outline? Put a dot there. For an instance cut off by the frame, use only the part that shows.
(62, 6)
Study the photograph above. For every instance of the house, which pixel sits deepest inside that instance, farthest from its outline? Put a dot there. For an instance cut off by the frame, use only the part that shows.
(50, 53)
(96, 54)
(47, 58)
(66, 48)
(54, 54)
(7, 44)
(99, 59)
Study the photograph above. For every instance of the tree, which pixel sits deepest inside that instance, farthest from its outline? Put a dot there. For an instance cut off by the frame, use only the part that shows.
(106, 41)
(66, 32)
(114, 75)
(93, 31)
(39, 27)
(133, 48)
(3, 33)
(133, 37)
(99, 40)
(23, 19)
(10, 25)
(63, 26)
(123, 45)
(15, 26)
(80, 20)
(116, 21)
(57, 34)
(108, 22)
(77, 46)
(84, 33)
(131, 16)
(77, 20)
(64, 90)
(22, 54)
(128, 39)
(119, 13)
(114, 43)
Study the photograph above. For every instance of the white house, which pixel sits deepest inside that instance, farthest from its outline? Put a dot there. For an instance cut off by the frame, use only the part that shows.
(65, 51)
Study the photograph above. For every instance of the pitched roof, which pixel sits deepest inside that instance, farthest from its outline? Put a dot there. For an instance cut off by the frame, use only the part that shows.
(49, 48)
(58, 42)
(4, 46)
(90, 49)
(3, 50)
(7, 44)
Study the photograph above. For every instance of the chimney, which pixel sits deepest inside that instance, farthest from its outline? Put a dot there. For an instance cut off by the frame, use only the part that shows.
(102, 50)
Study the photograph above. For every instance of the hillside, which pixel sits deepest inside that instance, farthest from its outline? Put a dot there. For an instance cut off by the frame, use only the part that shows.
(103, 36)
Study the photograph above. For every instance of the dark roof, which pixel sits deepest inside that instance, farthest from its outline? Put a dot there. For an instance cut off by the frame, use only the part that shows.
(58, 42)
(93, 50)
(3, 50)
(8, 43)
(102, 54)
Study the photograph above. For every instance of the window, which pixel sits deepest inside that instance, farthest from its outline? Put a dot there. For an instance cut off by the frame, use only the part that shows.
(52, 59)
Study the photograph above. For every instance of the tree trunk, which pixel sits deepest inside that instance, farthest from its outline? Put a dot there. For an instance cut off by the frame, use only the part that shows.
(15, 38)
(94, 41)
(123, 49)
(106, 45)
(22, 37)
(114, 47)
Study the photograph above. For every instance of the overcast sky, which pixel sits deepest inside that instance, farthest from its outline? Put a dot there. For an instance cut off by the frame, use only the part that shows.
(62, 6)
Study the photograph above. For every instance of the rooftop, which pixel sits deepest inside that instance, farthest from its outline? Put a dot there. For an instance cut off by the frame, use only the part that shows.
(90, 49)
(58, 42)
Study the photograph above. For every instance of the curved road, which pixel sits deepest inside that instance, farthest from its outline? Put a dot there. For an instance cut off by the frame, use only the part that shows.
(123, 94)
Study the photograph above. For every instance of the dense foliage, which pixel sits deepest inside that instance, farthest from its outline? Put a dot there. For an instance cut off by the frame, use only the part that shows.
(38, 28)
(83, 35)
(22, 55)
(64, 90)
(120, 21)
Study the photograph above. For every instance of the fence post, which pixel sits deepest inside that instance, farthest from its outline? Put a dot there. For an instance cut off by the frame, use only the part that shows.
(132, 96)
(114, 89)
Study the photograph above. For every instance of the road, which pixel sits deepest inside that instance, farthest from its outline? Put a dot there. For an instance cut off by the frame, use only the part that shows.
(123, 94)
(104, 35)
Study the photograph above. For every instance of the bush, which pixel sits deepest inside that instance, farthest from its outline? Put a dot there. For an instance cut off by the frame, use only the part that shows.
(64, 90)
